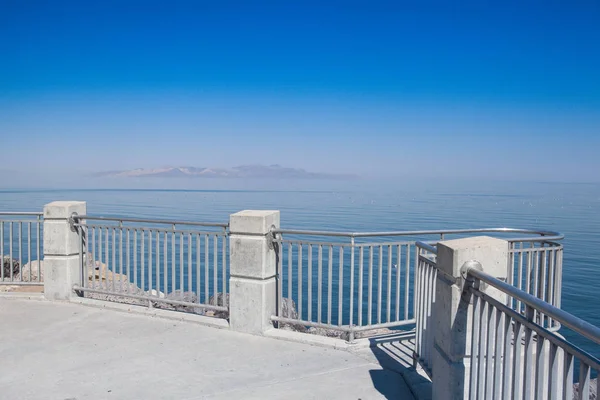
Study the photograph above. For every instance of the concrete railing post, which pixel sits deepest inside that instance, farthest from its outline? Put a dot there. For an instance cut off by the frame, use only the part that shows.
(62, 268)
(452, 312)
(253, 268)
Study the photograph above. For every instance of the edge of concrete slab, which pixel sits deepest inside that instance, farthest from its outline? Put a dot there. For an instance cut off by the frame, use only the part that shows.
(153, 312)
(22, 296)
(306, 338)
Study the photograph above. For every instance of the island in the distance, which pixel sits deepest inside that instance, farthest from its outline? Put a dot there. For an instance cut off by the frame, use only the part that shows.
(243, 171)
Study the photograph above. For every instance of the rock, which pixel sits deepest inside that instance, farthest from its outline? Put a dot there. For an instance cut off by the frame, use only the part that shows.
(156, 293)
(127, 287)
(218, 300)
(100, 272)
(346, 336)
(10, 267)
(328, 333)
(178, 295)
(288, 310)
(593, 390)
(32, 276)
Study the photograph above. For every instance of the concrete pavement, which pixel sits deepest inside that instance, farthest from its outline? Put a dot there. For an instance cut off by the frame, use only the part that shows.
(68, 351)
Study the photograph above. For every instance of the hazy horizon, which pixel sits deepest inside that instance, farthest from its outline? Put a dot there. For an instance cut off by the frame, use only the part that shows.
(401, 91)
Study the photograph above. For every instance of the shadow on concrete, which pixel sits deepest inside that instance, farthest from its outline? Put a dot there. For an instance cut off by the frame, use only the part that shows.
(395, 353)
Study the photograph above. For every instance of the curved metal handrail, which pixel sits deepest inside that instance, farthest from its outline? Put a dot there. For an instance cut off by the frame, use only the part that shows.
(570, 321)
(546, 235)
(77, 218)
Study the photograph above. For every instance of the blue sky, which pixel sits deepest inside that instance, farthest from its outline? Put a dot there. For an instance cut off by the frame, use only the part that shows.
(363, 87)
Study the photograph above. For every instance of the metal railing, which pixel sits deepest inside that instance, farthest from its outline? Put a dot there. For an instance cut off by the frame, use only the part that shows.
(365, 280)
(514, 356)
(158, 263)
(21, 248)
(425, 287)
(537, 270)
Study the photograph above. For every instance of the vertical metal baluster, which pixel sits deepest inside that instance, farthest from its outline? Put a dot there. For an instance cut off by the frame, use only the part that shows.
(389, 285)
(406, 280)
(370, 288)
(182, 266)
(189, 260)
(360, 284)
(121, 258)
(491, 330)
(299, 283)
(425, 317)
(39, 247)
(10, 249)
(351, 321)
(551, 284)
(150, 265)
(143, 258)
(568, 376)
(329, 284)
(558, 275)
(529, 269)
(279, 267)
(309, 294)
(290, 272)
(398, 276)
(157, 258)
(423, 310)
(29, 258)
(320, 284)
(224, 268)
(81, 261)
(508, 360)
(93, 262)
(173, 259)
(544, 285)
(198, 269)
(206, 270)
(528, 362)
(114, 258)
(215, 268)
(20, 250)
(86, 238)
(474, 347)
(584, 381)
(539, 368)
(127, 261)
(481, 365)
(417, 304)
(553, 372)
(107, 258)
(165, 287)
(341, 285)
(516, 364)
(2, 250)
(379, 283)
(135, 251)
(498, 349)
(520, 285)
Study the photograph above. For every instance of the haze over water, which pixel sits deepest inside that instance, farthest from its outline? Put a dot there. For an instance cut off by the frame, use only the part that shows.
(572, 209)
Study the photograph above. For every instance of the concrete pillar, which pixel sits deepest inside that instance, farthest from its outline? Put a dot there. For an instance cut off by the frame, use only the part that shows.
(62, 268)
(452, 312)
(253, 268)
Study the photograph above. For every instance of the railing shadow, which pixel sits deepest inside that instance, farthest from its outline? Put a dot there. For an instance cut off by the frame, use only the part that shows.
(395, 353)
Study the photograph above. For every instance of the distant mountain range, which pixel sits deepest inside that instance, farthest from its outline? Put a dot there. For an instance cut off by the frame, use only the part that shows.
(243, 171)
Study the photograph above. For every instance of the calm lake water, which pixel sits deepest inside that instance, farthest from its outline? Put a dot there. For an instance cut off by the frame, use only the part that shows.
(572, 209)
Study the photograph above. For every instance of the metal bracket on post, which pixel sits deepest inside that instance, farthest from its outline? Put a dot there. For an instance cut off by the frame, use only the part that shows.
(72, 219)
(466, 279)
(271, 237)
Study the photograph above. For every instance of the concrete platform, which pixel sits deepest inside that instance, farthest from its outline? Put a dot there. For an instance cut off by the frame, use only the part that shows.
(68, 351)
